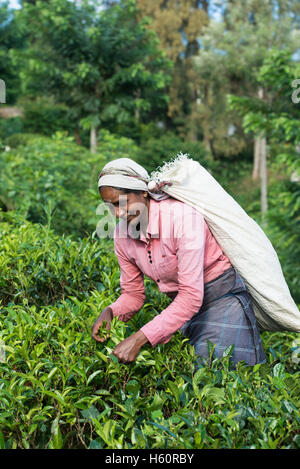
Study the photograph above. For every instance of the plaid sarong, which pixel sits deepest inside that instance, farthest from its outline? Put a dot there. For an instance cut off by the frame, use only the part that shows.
(226, 318)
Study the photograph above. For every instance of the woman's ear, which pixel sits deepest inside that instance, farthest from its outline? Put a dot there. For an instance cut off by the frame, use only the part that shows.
(145, 194)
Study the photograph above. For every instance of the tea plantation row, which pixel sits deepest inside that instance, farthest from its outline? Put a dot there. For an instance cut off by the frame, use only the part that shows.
(60, 389)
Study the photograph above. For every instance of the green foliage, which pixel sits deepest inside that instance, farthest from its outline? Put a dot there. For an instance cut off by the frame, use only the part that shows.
(154, 151)
(278, 118)
(10, 127)
(18, 138)
(52, 174)
(41, 268)
(43, 116)
(277, 115)
(11, 37)
(112, 146)
(105, 67)
(284, 230)
(61, 389)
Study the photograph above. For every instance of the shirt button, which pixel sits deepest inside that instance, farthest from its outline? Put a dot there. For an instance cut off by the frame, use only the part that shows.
(150, 262)
(158, 280)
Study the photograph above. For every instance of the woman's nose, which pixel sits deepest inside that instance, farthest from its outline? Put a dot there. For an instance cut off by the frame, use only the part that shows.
(120, 212)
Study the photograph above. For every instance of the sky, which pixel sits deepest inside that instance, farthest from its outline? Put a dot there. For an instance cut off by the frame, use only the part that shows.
(14, 4)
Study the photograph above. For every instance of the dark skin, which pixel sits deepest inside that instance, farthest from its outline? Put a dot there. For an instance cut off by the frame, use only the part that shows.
(133, 208)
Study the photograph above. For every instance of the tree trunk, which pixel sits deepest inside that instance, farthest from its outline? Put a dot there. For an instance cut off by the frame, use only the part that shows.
(256, 165)
(93, 139)
(258, 146)
(205, 126)
(192, 119)
(263, 179)
(263, 168)
(207, 144)
(2, 92)
(77, 137)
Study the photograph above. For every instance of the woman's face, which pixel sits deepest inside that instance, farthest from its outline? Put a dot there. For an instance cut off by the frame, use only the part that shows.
(130, 207)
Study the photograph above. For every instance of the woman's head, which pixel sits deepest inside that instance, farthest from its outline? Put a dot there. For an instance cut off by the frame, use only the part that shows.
(128, 204)
(123, 185)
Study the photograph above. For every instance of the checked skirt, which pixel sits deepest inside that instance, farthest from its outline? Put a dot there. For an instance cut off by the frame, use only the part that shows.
(226, 318)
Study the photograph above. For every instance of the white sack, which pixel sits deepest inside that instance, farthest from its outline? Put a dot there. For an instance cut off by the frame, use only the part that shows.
(241, 239)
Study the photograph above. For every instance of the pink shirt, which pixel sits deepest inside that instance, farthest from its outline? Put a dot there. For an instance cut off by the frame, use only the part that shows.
(179, 253)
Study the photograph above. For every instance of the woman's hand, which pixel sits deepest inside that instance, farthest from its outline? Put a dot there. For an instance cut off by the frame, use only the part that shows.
(127, 350)
(106, 315)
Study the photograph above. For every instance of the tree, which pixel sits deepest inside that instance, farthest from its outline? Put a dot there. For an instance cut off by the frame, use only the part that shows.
(178, 24)
(10, 37)
(233, 50)
(104, 65)
(221, 129)
(277, 118)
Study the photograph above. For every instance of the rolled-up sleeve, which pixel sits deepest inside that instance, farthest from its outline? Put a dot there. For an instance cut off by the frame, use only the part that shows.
(189, 238)
(132, 297)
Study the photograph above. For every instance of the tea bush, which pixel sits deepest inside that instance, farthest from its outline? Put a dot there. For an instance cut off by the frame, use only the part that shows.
(61, 389)
(41, 175)
(41, 267)
(53, 174)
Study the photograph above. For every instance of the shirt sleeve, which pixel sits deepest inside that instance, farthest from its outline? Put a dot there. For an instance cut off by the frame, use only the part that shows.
(189, 234)
(132, 297)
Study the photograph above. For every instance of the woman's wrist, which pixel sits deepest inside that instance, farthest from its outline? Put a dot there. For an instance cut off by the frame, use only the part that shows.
(141, 338)
(108, 311)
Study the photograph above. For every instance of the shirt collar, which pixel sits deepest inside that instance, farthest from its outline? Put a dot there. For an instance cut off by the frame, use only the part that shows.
(153, 222)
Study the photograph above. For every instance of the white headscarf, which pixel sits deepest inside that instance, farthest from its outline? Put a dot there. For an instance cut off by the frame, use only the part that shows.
(127, 174)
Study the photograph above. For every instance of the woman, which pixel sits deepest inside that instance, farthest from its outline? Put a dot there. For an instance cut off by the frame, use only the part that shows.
(170, 242)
